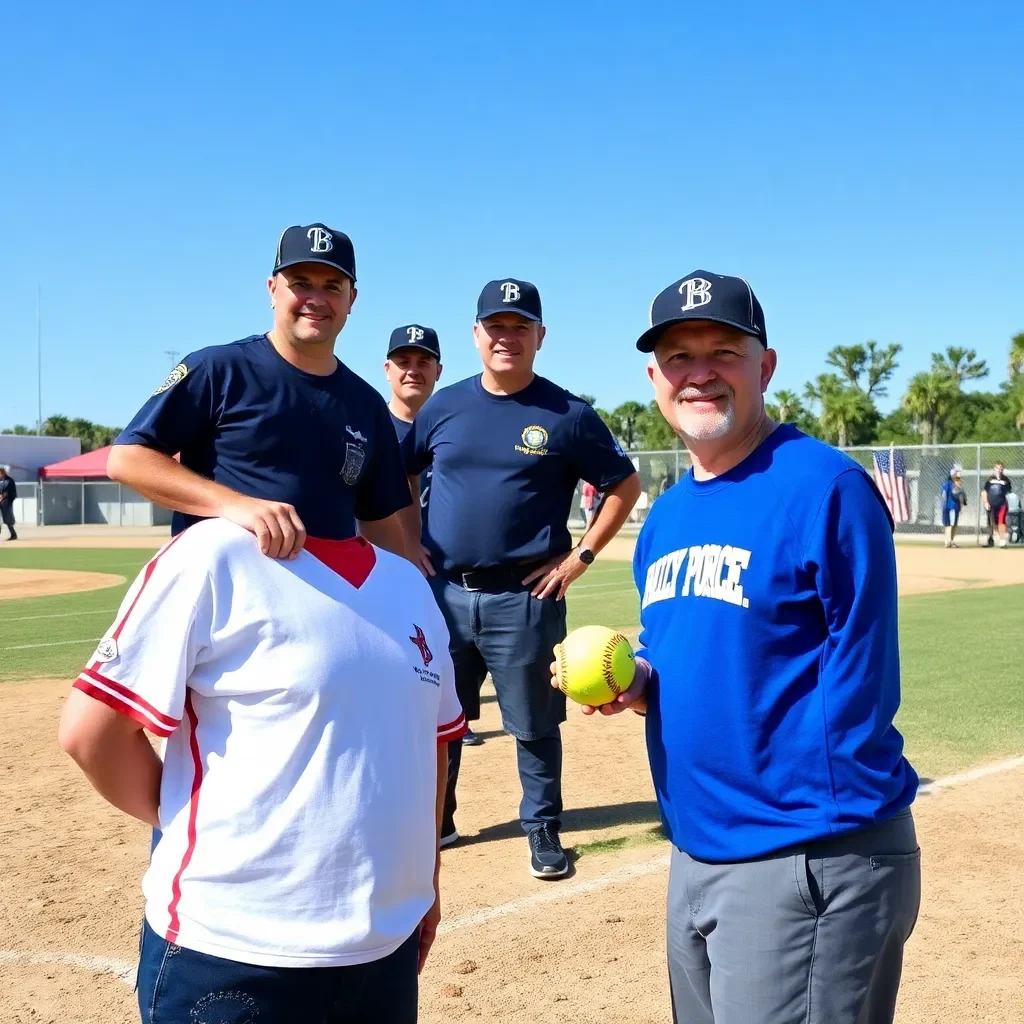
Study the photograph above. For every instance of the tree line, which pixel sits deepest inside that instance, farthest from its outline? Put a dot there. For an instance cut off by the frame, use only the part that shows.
(92, 435)
(839, 405)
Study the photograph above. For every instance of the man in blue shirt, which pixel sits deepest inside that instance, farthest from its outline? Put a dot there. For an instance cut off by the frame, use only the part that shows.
(769, 674)
(413, 368)
(508, 448)
(273, 432)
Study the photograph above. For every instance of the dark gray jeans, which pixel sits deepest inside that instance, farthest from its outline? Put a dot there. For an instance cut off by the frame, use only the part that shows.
(810, 935)
(512, 635)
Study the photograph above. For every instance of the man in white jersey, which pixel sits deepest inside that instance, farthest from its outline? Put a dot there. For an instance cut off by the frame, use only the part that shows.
(283, 790)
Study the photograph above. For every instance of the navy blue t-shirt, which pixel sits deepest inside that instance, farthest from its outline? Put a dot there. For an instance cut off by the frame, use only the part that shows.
(401, 429)
(505, 470)
(769, 611)
(242, 415)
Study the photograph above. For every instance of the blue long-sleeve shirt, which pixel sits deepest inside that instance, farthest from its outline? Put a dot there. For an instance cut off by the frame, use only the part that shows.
(769, 612)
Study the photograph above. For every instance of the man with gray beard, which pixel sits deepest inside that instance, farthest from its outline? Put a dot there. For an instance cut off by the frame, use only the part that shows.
(769, 675)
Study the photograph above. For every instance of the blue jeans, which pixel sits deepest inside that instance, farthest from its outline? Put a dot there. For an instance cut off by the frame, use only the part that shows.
(179, 986)
(511, 635)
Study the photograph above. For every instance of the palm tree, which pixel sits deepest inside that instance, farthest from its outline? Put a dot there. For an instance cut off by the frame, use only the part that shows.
(626, 415)
(854, 361)
(929, 399)
(1016, 364)
(589, 399)
(842, 407)
(959, 365)
(786, 407)
(56, 426)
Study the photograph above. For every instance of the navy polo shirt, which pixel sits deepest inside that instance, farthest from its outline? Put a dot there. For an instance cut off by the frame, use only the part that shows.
(401, 429)
(505, 468)
(242, 415)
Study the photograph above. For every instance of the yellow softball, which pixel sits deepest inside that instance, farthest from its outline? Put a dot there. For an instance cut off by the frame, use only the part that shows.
(594, 665)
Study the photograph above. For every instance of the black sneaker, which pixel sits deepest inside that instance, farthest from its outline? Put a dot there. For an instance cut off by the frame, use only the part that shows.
(470, 739)
(547, 858)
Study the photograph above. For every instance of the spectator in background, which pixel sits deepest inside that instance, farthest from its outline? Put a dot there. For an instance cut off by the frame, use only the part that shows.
(588, 503)
(8, 492)
(993, 494)
(954, 498)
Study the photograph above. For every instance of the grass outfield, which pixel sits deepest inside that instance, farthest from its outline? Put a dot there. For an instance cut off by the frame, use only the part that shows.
(961, 703)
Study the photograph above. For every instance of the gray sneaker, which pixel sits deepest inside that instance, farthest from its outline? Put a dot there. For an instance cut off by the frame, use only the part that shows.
(471, 739)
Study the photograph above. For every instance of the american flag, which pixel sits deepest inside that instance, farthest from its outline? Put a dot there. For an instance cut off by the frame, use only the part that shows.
(891, 478)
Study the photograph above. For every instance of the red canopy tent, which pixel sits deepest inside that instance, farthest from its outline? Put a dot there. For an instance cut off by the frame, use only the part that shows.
(90, 466)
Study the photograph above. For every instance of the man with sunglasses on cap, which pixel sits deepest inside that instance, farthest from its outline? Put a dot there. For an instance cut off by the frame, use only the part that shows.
(508, 449)
(769, 675)
(274, 432)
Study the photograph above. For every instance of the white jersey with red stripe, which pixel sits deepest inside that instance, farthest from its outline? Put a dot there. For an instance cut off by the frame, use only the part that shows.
(302, 702)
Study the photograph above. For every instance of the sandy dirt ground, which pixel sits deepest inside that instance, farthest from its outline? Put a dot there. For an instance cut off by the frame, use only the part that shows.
(586, 949)
(18, 583)
(589, 948)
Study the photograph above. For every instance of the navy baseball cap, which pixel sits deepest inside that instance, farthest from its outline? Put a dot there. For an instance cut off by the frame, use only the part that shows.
(315, 243)
(705, 296)
(415, 336)
(507, 295)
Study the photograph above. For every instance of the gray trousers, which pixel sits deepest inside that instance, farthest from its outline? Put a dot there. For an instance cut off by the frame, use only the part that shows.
(810, 935)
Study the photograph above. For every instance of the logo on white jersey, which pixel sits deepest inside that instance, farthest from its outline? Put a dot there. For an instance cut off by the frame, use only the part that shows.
(415, 333)
(320, 240)
(511, 291)
(354, 434)
(696, 291)
(711, 570)
(106, 651)
(420, 641)
(178, 373)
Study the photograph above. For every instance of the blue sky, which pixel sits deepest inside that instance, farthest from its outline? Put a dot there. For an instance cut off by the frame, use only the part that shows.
(861, 165)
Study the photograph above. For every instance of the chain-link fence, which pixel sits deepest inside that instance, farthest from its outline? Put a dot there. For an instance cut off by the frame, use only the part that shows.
(66, 503)
(927, 469)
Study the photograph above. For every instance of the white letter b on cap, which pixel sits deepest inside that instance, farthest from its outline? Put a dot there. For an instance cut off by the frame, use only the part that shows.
(696, 292)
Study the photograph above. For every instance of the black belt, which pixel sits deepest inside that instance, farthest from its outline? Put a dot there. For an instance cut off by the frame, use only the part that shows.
(494, 577)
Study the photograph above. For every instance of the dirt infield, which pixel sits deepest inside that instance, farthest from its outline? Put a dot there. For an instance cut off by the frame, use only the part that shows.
(549, 951)
(18, 583)
(589, 948)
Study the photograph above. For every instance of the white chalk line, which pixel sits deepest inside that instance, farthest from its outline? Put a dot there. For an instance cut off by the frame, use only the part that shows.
(995, 768)
(559, 892)
(54, 643)
(121, 969)
(58, 615)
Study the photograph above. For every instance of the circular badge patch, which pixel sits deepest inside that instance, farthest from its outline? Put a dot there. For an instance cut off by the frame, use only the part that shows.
(535, 437)
(107, 650)
(178, 373)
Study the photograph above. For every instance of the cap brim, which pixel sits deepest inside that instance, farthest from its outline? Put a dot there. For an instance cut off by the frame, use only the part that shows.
(649, 339)
(326, 263)
(417, 347)
(508, 309)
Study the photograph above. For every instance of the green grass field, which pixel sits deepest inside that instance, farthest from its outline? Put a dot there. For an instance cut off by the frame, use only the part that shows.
(961, 705)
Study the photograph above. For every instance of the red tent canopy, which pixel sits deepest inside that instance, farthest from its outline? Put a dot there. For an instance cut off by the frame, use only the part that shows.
(91, 465)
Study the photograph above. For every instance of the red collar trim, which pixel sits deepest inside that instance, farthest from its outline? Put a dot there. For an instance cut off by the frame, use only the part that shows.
(353, 560)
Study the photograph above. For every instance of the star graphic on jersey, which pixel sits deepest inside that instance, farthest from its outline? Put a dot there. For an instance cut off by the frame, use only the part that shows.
(421, 642)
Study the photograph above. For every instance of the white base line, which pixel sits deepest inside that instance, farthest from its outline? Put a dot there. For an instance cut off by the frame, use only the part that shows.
(558, 892)
(121, 969)
(975, 773)
(56, 643)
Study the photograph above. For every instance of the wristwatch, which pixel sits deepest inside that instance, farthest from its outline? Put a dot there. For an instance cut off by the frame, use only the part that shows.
(585, 555)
